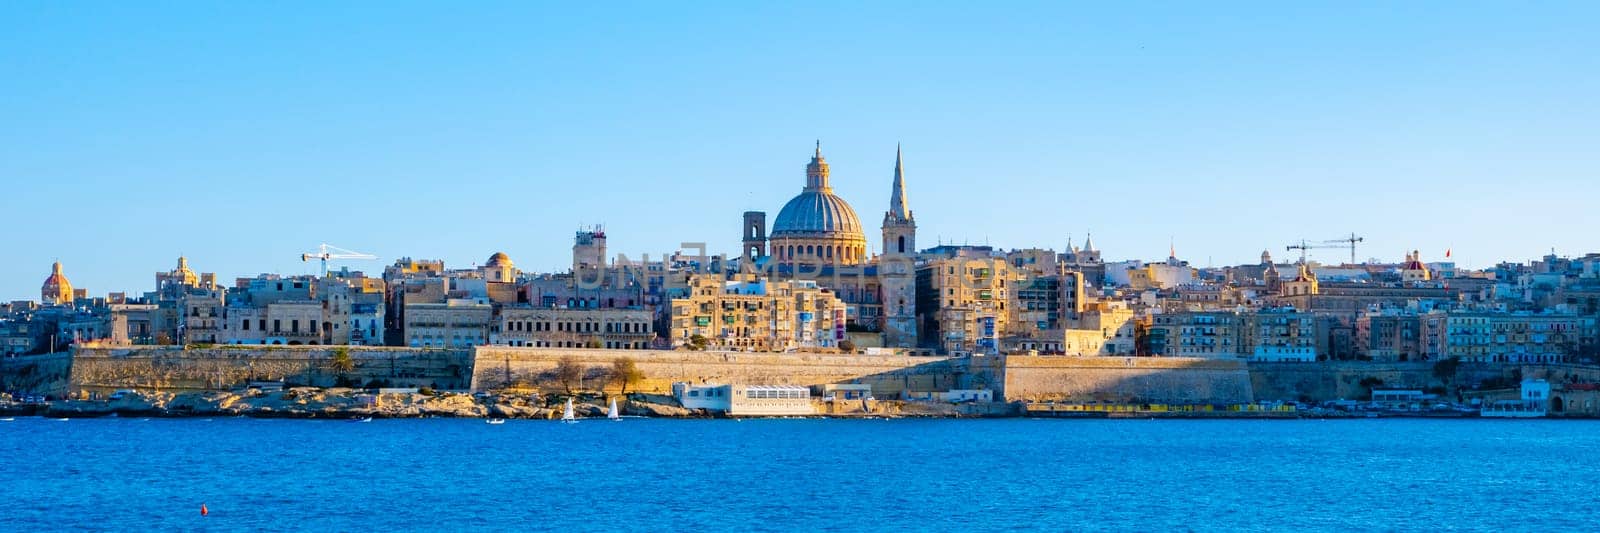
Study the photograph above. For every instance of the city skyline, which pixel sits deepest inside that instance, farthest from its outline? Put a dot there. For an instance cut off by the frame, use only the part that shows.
(1146, 128)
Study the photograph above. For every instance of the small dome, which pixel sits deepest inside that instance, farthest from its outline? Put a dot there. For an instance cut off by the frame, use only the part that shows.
(499, 258)
(816, 212)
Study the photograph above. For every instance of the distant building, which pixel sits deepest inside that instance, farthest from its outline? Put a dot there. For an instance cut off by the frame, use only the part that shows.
(746, 400)
(56, 290)
(456, 323)
(758, 315)
(608, 328)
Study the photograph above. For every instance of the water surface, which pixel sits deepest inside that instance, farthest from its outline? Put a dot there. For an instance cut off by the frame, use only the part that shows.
(858, 475)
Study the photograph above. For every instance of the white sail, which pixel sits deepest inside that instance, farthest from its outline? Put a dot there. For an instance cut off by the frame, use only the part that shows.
(612, 412)
(567, 414)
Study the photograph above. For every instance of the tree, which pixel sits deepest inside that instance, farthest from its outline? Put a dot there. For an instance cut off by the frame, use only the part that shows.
(847, 346)
(568, 372)
(1445, 369)
(697, 342)
(625, 372)
(341, 363)
(594, 343)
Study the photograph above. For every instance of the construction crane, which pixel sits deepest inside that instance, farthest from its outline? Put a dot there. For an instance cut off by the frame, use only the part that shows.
(1346, 242)
(326, 251)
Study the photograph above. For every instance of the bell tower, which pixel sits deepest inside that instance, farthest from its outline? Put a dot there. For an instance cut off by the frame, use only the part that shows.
(897, 266)
(755, 235)
(899, 226)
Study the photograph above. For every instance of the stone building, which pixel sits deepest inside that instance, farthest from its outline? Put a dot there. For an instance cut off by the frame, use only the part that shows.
(1285, 334)
(456, 323)
(607, 328)
(1203, 334)
(757, 315)
(962, 301)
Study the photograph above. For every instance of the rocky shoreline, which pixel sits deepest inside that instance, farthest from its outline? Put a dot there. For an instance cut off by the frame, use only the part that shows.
(338, 403)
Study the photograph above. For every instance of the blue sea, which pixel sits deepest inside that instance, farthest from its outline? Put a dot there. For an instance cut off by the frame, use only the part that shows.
(830, 475)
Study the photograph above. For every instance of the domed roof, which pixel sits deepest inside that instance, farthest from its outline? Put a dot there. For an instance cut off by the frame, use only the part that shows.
(816, 212)
(56, 279)
(499, 258)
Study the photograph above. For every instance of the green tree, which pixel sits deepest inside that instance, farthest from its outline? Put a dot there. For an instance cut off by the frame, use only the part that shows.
(594, 343)
(697, 342)
(847, 346)
(625, 373)
(568, 372)
(341, 363)
(1445, 369)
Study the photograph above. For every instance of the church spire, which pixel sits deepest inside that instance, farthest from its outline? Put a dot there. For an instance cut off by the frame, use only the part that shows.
(897, 197)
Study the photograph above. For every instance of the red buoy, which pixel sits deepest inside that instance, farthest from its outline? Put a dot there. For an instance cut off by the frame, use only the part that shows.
(203, 510)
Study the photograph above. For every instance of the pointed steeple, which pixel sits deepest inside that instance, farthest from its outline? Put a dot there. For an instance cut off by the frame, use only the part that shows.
(899, 228)
(897, 197)
(1088, 242)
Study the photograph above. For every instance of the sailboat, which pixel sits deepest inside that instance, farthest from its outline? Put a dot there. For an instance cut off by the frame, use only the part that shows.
(612, 412)
(566, 414)
(495, 421)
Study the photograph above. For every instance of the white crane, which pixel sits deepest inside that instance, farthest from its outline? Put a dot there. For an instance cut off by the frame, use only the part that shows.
(1347, 242)
(326, 251)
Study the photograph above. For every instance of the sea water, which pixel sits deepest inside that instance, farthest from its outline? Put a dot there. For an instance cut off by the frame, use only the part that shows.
(808, 474)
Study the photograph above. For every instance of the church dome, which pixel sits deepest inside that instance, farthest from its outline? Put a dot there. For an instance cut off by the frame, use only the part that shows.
(499, 258)
(816, 212)
(56, 289)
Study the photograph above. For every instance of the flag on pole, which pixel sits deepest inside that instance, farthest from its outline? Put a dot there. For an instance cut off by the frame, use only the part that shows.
(1447, 252)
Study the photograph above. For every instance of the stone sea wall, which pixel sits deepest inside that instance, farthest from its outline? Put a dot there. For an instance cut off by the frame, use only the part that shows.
(36, 374)
(228, 367)
(499, 367)
(1125, 379)
(1342, 380)
(489, 368)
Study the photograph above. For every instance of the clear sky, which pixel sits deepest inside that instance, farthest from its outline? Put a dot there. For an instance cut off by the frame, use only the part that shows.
(241, 134)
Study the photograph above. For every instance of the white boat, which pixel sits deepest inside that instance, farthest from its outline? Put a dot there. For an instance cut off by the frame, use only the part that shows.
(8, 419)
(495, 421)
(567, 416)
(612, 412)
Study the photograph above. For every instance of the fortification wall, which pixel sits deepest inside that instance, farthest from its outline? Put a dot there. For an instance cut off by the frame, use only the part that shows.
(228, 367)
(1125, 379)
(498, 367)
(36, 374)
(1335, 380)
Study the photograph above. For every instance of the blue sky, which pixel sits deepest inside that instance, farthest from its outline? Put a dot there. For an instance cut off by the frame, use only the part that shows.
(241, 134)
